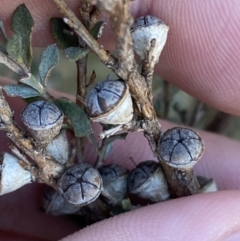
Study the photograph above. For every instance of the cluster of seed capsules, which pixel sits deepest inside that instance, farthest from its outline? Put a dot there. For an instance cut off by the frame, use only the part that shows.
(82, 187)
(98, 193)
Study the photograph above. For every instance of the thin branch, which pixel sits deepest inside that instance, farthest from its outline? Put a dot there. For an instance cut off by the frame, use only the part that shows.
(85, 10)
(121, 22)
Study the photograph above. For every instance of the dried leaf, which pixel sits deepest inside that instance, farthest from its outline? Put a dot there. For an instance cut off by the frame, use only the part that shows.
(76, 115)
(32, 81)
(23, 91)
(14, 48)
(97, 29)
(22, 24)
(75, 53)
(62, 33)
(49, 59)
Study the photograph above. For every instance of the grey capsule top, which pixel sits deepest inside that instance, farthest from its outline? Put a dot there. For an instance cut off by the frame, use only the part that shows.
(80, 184)
(145, 21)
(180, 147)
(41, 114)
(104, 97)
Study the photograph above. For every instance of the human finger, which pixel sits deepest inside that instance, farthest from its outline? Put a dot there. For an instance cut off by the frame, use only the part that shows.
(213, 216)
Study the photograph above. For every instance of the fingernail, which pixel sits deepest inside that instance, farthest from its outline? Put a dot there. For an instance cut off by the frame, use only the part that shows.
(233, 236)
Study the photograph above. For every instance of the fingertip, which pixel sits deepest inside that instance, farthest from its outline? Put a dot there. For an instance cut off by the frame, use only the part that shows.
(212, 216)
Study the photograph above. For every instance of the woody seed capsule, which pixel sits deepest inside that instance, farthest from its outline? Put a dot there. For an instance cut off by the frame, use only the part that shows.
(12, 174)
(144, 30)
(58, 148)
(43, 120)
(181, 148)
(80, 184)
(148, 181)
(55, 204)
(109, 102)
(114, 182)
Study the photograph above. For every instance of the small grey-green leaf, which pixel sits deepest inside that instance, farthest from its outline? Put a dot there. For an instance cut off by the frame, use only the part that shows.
(76, 115)
(49, 59)
(22, 24)
(23, 91)
(14, 48)
(63, 34)
(75, 53)
(30, 80)
(97, 29)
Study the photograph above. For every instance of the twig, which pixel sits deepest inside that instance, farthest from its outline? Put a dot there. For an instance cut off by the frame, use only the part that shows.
(121, 22)
(85, 11)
